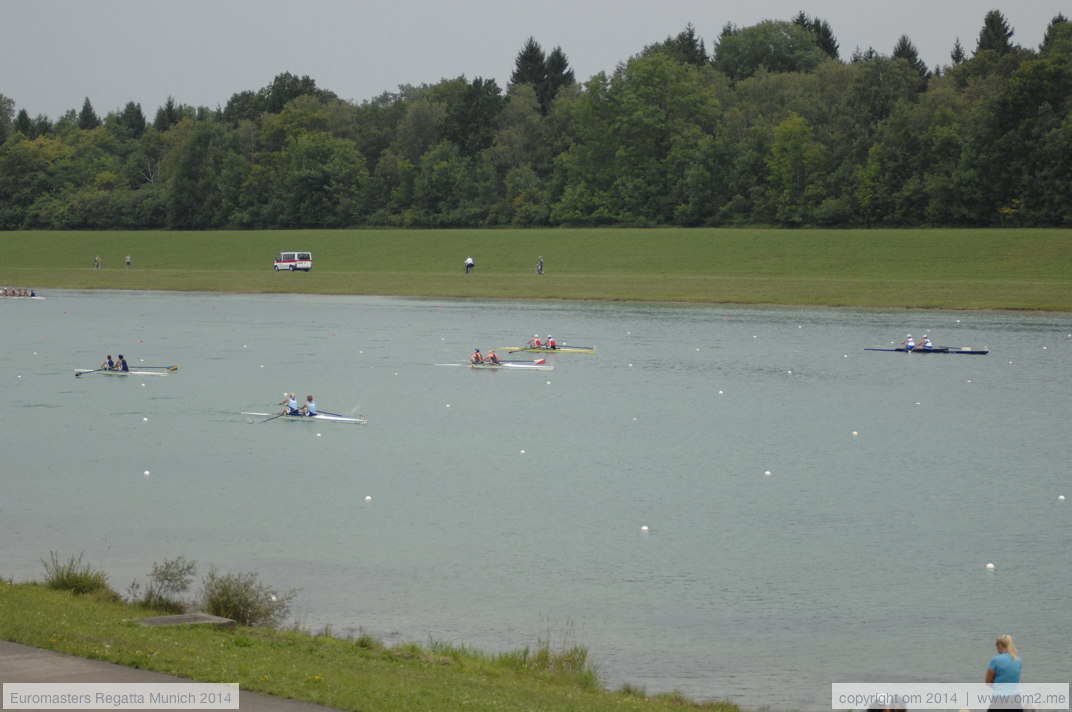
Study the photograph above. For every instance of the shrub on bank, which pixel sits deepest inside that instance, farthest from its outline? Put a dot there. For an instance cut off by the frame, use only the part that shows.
(74, 575)
(167, 582)
(243, 598)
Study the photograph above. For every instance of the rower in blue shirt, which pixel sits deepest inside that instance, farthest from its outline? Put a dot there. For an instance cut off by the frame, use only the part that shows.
(108, 364)
(291, 404)
(121, 364)
(309, 407)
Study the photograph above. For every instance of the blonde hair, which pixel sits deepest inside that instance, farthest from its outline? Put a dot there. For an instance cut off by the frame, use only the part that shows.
(1005, 642)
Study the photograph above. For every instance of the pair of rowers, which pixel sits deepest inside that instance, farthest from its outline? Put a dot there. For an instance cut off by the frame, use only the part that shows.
(910, 344)
(292, 407)
(110, 365)
(477, 358)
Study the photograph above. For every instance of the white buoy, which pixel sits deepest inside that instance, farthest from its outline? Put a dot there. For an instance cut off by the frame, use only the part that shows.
(548, 383)
(720, 392)
(854, 433)
(1060, 498)
(522, 452)
(989, 567)
(145, 420)
(318, 434)
(448, 405)
(143, 385)
(767, 473)
(146, 473)
(644, 528)
(368, 497)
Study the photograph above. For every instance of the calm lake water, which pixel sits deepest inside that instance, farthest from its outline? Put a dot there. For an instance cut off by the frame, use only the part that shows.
(507, 506)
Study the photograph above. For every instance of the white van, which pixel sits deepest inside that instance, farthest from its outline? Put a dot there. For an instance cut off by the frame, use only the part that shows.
(294, 260)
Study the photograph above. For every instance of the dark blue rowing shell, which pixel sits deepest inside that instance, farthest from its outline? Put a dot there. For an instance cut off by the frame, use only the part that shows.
(941, 350)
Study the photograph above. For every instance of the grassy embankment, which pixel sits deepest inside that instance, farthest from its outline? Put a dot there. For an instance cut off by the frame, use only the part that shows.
(359, 674)
(955, 269)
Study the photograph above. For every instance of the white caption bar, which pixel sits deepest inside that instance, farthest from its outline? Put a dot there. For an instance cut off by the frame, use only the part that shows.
(120, 696)
(945, 696)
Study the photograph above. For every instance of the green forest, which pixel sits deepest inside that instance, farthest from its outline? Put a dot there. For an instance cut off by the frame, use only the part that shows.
(771, 126)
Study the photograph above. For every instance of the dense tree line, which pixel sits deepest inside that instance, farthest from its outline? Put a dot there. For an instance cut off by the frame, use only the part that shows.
(771, 127)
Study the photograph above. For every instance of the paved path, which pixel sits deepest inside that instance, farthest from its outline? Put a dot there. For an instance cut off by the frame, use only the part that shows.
(21, 663)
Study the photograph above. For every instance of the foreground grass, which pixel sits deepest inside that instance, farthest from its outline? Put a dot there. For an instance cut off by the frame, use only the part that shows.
(360, 674)
(956, 269)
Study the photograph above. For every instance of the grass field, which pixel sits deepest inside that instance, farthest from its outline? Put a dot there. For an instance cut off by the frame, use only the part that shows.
(355, 674)
(962, 269)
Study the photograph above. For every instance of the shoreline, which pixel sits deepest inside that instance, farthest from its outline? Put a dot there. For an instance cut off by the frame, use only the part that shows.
(606, 300)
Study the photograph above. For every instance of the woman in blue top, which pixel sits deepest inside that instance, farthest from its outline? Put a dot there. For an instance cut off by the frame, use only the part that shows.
(121, 364)
(1004, 667)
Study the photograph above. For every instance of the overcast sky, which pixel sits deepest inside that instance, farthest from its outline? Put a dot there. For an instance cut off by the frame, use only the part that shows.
(55, 53)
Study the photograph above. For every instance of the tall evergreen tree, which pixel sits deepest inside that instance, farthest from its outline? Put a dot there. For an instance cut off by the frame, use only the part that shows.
(686, 47)
(530, 67)
(904, 49)
(24, 124)
(996, 34)
(132, 119)
(864, 55)
(957, 55)
(1053, 30)
(545, 73)
(559, 75)
(87, 117)
(824, 35)
(7, 112)
(167, 116)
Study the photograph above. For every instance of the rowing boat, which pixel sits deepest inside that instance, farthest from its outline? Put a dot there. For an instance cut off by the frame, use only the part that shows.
(543, 349)
(106, 372)
(939, 350)
(319, 417)
(540, 365)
